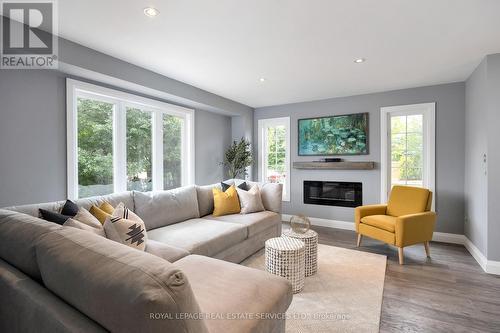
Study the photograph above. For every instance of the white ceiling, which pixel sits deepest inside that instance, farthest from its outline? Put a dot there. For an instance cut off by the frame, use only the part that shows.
(304, 48)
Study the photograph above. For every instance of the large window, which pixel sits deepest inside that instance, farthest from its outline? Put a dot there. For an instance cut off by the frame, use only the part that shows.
(118, 142)
(274, 152)
(408, 146)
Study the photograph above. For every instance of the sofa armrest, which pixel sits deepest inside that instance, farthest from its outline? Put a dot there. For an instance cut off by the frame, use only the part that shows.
(362, 211)
(414, 228)
(102, 278)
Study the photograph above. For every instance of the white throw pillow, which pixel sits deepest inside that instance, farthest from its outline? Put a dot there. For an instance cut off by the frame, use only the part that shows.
(126, 227)
(250, 201)
(85, 221)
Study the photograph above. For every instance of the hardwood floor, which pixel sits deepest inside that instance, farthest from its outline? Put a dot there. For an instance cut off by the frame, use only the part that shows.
(447, 293)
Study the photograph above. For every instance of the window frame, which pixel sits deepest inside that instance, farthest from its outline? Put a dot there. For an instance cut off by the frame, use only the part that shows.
(428, 110)
(263, 125)
(121, 101)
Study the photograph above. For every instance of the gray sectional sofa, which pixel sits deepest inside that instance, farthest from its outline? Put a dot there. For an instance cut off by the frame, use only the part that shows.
(62, 279)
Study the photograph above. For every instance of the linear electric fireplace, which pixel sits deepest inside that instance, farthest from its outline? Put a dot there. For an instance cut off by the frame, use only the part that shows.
(342, 194)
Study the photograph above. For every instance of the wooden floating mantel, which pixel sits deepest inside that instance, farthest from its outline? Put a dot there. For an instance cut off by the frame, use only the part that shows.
(334, 165)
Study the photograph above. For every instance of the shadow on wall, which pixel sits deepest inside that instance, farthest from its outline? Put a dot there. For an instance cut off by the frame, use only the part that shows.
(445, 203)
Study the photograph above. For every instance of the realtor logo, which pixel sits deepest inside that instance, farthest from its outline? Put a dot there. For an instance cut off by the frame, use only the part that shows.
(29, 35)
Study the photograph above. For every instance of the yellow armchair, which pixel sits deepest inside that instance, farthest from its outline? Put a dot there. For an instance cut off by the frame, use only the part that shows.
(404, 221)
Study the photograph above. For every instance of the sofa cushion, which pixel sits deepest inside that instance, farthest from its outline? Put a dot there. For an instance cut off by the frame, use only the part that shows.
(239, 289)
(161, 208)
(116, 286)
(19, 234)
(27, 306)
(255, 222)
(200, 236)
(113, 199)
(164, 251)
(384, 222)
(34, 210)
(206, 198)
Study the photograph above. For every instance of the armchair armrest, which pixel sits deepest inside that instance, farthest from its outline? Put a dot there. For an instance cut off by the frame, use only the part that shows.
(362, 211)
(414, 228)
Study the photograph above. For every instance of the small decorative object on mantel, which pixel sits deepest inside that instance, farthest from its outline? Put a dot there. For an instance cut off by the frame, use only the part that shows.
(300, 224)
(341, 165)
(333, 159)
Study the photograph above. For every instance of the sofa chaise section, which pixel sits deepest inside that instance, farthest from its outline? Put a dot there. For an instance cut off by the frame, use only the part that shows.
(239, 289)
(254, 222)
(200, 236)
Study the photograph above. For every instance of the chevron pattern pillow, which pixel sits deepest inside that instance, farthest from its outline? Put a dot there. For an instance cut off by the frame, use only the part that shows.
(125, 227)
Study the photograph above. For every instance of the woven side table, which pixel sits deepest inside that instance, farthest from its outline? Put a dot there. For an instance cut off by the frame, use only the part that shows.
(310, 238)
(286, 257)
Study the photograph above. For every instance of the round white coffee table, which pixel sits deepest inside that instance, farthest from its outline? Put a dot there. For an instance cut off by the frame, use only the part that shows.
(286, 257)
(310, 239)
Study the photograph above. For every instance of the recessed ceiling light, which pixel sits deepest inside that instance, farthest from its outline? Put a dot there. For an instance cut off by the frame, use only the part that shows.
(151, 12)
(360, 60)
(262, 79)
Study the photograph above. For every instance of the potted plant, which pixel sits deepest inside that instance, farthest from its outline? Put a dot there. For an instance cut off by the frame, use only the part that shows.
(237, 158)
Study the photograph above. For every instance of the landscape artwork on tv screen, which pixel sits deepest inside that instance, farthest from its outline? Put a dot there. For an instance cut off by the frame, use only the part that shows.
(335, 135)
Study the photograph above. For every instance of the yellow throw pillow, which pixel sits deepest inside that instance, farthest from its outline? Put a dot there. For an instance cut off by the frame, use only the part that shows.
(99, 214)
(226, 203)
(106, 206)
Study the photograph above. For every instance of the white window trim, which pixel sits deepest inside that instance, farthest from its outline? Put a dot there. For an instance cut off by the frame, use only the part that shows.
(429, 123)
(121, 100)
(263, 124)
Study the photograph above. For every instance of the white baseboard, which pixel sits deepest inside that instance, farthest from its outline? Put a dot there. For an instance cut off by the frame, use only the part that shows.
(444, 237)
(489, 266)
(493, 267)
(476, 253)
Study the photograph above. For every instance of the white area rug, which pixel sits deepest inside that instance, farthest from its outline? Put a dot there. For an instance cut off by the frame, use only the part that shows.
(344, 296)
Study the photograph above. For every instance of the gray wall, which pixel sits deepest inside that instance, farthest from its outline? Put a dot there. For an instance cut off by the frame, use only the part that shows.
(494, 158)
(213, 136)
(476, 145)
(450, 152)
(33, 138)
(482, 188)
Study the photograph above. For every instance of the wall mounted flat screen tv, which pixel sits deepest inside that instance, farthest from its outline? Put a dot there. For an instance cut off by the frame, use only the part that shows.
(334, 135)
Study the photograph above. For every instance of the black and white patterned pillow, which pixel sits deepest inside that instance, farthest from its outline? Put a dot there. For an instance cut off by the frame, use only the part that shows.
(125, 227)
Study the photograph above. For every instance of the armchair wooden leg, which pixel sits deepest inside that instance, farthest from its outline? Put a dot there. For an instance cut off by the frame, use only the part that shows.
(401, 255)
(360, 237)
(427, 249)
